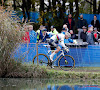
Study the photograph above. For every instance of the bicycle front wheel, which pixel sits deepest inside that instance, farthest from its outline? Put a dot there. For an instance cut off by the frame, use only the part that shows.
(41, 60)
(66, 63)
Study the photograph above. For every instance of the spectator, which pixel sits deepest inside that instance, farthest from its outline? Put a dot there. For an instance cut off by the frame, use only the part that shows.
(26, 37)
(44, 35)
(73, 36)
(83, 34)
(81, 22)
(90, 36)
(95, 22)
(32, 34)
(38, 32)
(53, 30)
(96, 34)
(64, 30)
(65, 26)
(69, 22)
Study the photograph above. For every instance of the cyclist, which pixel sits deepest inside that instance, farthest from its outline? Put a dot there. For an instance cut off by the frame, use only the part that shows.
(55, 40)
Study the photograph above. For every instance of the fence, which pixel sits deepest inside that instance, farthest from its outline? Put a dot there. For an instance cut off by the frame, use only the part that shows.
(88, 56)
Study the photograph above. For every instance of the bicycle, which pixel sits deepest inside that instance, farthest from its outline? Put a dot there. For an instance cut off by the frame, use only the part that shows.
(65, 62)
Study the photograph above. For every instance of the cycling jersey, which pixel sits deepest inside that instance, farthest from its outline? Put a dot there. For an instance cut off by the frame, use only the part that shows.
(58, 38)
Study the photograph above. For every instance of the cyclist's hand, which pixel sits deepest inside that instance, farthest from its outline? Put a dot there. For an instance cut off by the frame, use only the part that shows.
(67, 49)
(74, 41)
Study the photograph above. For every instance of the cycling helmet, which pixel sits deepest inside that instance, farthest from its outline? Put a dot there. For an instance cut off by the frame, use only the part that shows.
(68, 34)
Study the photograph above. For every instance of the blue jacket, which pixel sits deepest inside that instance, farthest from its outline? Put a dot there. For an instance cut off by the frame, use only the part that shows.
(43, 38)
(33, 36)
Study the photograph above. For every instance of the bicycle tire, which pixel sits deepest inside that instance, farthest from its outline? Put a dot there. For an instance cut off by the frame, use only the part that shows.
(44, 59)
(70, 61)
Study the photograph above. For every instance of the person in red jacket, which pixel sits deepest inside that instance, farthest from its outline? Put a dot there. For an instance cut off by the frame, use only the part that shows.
(26, 37)
(69, 21)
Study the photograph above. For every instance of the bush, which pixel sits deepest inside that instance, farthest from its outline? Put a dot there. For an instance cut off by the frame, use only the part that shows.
(10, 37)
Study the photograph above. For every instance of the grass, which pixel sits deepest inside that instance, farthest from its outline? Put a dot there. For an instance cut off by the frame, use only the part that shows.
(77, 73)
(18, 70)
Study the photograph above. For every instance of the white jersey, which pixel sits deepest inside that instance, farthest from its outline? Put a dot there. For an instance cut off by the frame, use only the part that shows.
(60, 38)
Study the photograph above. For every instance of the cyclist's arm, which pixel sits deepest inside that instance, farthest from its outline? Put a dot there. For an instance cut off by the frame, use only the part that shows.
(70, 40)
(63, 44)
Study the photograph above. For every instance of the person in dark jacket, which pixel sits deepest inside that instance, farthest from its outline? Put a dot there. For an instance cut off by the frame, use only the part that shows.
(81, 22)
(83, 34)
(73, 36)
(69, 22)
(95, 22)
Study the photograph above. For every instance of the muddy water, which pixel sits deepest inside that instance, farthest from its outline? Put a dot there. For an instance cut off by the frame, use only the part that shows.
(48, 84)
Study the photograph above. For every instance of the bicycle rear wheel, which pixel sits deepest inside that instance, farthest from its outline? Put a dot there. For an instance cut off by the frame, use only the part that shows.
(41, 60)
(66, 63)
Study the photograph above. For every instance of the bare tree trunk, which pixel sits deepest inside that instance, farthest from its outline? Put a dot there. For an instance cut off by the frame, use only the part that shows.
(94, 6)
(28, 7)
(77, 13)
(77, 10)
(33, 6)
(99, 8)
(42, 10)
(49, 7)
(90, 8)
(71, 7)
(60, 9)
(63, 6)
(54, 4)
(23, 9)
(14, 1)
(54, 9)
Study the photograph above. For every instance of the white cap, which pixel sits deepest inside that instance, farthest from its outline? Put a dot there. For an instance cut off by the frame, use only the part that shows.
(68, 34)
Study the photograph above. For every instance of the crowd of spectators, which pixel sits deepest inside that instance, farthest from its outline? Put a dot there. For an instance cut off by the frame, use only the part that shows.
(87, 33)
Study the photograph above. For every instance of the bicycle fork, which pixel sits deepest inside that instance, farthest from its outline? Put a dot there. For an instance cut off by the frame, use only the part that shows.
(66, 62)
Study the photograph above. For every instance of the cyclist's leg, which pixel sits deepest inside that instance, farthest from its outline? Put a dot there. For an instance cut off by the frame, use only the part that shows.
(56, 51)
(53, 45)
(52, 48)
(52, 55)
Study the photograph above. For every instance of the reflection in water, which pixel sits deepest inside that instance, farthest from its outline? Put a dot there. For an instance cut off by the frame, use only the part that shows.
(46, 84)
(76, 87)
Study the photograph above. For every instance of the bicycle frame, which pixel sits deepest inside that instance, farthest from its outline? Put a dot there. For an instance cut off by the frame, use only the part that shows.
(62, 53)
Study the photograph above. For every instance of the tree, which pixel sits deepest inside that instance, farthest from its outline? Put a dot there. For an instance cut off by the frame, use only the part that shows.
(99, 8)
(63, 5)
(49, 7)
(41, 10)
(71, 7)
(94, 4)
(77, 13)
(14, 1)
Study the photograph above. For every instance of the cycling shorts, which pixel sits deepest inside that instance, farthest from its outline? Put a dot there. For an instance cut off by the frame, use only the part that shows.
(53, 44)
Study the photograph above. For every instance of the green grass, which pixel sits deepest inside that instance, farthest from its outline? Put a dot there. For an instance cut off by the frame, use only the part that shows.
(33, 71)
(77, 73)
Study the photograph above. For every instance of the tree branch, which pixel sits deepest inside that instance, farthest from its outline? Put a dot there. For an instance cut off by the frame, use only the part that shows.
(45, 4)
(89, 2)
(18, 3)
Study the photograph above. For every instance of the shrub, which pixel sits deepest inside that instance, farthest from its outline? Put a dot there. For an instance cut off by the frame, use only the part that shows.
(10, 37)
